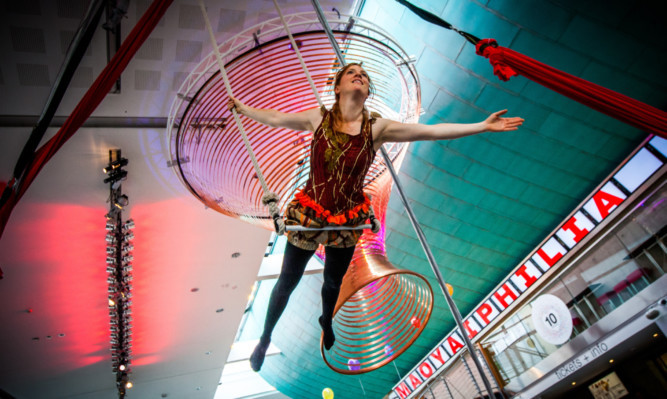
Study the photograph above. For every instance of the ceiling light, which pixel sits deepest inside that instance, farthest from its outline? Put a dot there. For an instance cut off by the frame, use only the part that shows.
(574, 383)
(129, 385)
(122, 201)
(115, 165)
(116, 176)
(655, 335)
(611, 360)
(122, 367)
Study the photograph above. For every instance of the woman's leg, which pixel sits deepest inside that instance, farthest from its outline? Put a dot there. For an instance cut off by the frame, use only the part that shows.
(336, 262)
(294, 263)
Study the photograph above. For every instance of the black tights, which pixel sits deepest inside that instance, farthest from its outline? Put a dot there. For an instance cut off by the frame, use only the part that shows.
(336, 263)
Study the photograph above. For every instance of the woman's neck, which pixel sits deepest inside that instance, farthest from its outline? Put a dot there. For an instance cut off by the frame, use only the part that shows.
(351, 109)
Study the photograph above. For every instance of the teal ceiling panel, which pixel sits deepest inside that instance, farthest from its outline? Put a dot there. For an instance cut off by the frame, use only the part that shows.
(614, 148)
(563, 129)
(538, 15)
(516, 105)
(456, 187)
(559, 202)
(472, 17)
(443, 41)
(615, 48)
(418, 169)
(428, 92)
(611, 12)
(650, 65)
(447, 74)
(480, 149)
(495, 180)
(555, 101)
(519, 212)
(548, 52)
(550, 174)
(618, 80)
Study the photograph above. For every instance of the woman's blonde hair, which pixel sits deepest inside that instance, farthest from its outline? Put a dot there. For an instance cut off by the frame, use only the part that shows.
(335, 110)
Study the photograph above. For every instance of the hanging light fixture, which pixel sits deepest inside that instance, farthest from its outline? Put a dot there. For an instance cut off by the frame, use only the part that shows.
(118, 239)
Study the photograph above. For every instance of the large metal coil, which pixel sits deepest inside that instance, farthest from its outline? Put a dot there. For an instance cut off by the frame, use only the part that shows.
(381, 310)
(213, 164)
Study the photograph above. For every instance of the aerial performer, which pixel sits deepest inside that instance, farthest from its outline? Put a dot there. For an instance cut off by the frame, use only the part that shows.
(345, 140)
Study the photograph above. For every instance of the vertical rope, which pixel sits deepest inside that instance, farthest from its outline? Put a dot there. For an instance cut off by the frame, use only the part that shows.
(228, 87)
(298, 54)
(269, 199)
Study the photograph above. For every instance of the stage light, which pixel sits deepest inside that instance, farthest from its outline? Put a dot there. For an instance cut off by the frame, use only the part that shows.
(128, 268)
(129, 224)
(111, 269)
(115, 165)
(110, 239)
(129, 385)
(122, 201)
(127, 248)
(128, 258)
(122, 367)
(116, 176)
(110, 226)
(111, 250)
(128, 237)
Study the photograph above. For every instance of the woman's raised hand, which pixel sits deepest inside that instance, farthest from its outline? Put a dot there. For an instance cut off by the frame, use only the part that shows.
(497, 123)
(234, 104)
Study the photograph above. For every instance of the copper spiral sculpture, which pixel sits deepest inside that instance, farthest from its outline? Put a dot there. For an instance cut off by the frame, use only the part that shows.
(378, 305)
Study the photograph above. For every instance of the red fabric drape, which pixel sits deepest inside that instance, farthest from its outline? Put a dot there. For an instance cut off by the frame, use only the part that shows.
(88, 103)
(507, 63)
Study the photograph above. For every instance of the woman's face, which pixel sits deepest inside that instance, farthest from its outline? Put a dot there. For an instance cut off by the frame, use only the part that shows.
(353, 78)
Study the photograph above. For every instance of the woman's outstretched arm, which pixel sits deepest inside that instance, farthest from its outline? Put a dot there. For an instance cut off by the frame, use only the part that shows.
(388, 131)
(305, 120)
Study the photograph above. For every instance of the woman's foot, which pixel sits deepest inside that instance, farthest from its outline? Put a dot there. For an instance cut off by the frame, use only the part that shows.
(257, 357)
(329, 337)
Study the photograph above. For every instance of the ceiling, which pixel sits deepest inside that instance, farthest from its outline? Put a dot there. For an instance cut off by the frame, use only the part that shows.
(484, 201)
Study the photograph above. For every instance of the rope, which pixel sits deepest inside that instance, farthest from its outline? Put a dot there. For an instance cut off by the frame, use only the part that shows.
(298, 54)
(434, 19)
(269, 198)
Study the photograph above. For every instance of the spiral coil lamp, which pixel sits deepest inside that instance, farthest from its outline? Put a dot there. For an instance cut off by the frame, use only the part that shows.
(378, 302)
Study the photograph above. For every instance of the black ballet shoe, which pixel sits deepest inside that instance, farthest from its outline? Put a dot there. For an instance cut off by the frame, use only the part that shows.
(329, 337)
(257, 357)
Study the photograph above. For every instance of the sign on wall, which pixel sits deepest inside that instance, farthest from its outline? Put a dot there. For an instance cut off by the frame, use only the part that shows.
(597, 208)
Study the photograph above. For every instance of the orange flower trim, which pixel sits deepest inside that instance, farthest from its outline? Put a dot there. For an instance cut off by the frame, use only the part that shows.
(339, 219)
